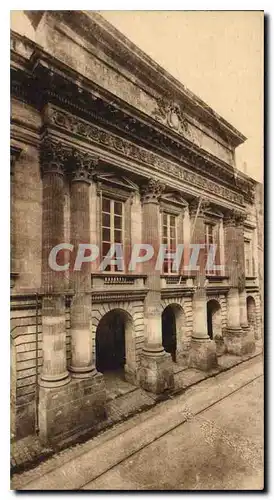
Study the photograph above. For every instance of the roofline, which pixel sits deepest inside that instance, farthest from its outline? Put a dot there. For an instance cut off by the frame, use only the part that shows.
(237, 137)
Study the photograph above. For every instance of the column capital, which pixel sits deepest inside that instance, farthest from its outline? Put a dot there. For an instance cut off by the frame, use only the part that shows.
(53, 157)
(151, 191)
(234, 218)
(82, 166)
(203, 206)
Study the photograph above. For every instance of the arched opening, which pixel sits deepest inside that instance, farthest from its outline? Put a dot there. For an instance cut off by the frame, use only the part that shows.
(251, 313)
(214, 318)
(111, 341)
(170, 327)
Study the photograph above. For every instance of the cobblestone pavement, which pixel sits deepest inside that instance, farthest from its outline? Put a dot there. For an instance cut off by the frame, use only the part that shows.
(124, 402)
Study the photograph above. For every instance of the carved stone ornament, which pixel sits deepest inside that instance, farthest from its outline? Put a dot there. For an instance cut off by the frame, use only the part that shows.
(170, 113)
(82, 166)
(53, 157)
(152, 191)
(234, 218)
(199, 208)
(91, 133)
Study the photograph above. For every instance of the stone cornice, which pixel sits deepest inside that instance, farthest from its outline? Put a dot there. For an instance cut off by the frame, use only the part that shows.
(115, 115)
(118, 295)
(79, 128)
(110, 41)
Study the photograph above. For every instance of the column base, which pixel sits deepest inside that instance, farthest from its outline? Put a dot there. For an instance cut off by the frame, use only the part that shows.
(156, 371)
(202, 354)
(248, 340)
(52, 381)
(82, 372)
(66, 411)
(239, 341)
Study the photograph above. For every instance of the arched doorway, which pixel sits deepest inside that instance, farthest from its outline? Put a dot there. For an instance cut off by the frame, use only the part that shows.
(214, 318)
(111, 341)
(169, 330)
(251, 313)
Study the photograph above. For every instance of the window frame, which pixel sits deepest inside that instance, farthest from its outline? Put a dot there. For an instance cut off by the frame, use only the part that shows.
(112, 199)
(168, 238)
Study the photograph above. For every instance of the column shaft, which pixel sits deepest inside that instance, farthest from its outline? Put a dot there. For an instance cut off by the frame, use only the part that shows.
(202, 350)
(54, 369)
(82, 364)
(156, 371)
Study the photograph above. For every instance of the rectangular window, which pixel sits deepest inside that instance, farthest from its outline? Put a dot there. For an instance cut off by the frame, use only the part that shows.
(248, 258)
(169, 238)
(210, 239)
(112, 227)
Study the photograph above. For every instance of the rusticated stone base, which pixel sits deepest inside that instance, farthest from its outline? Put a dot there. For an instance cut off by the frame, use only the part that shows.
(202, 354)
(71, 409)
(156, 372)
(233, 341)
(130, 375)
(248, 341)
(239, 341)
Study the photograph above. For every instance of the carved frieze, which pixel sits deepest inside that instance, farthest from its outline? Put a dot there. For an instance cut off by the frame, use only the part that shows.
(90, 132)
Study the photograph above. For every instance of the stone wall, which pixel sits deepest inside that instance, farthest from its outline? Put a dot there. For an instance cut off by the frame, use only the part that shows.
(26, 341)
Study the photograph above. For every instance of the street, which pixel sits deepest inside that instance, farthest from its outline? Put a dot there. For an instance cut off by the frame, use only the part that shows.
(221, 448)
(210, 437)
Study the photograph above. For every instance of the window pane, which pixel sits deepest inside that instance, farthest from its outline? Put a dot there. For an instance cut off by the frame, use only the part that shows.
(172, 220)
(117, 222)
(165, 266)
(105, 234)
(117, 236)
(105, 248)
(172, 232)
(106, 205)
(118, 208)
(108, 268)
(165, 231)
(106, 220)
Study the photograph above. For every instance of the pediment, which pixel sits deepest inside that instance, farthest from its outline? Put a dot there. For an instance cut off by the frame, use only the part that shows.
(174, 198)
(116, 180)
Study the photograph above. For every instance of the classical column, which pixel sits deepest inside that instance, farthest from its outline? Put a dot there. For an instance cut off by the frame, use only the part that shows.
(156, 372)
(14, 270)
(202, 350)
(235, 338)
(54, 370)
(248, 340)
(82, 364)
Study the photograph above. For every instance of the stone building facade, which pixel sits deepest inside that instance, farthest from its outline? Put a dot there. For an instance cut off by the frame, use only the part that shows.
(108, 147)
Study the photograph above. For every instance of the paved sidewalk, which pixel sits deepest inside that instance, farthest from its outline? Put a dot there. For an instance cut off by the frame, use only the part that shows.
(75, 467)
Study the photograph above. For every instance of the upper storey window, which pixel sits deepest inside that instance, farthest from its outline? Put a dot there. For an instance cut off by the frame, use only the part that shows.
(112, 227)
(169, 238)
(212, 237)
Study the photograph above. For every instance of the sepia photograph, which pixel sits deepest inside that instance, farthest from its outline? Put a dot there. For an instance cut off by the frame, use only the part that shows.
(137, 250)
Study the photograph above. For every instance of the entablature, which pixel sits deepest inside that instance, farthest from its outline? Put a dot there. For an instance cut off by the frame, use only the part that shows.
(51, 81)
(59, 122)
